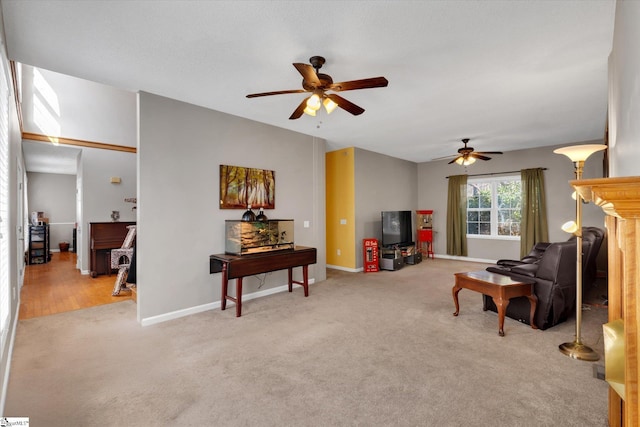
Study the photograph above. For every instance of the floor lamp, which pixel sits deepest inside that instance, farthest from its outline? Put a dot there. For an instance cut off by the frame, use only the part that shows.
(578, 154)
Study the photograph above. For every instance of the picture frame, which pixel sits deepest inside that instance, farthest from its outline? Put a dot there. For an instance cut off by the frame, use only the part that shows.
(242, 186)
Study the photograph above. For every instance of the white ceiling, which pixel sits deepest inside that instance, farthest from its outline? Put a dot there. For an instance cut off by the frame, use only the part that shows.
(506, 74)
(47, 158)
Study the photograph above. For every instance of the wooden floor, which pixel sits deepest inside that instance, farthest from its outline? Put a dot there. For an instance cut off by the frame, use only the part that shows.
(57, 286)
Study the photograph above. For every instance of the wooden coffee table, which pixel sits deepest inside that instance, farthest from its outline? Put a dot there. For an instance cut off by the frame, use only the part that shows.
(500, 288)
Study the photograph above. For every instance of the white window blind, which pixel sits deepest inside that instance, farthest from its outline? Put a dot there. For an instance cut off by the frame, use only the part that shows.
(5, 290)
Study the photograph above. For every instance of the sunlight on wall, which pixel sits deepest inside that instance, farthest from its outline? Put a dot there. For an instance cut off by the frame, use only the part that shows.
(46, 108)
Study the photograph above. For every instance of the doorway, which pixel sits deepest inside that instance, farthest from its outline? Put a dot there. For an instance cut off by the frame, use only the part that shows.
(57, 287)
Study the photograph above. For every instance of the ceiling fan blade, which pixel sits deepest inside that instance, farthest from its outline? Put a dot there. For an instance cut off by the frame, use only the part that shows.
(480, 156)
(346, 105)
(359, 84)
(489, 152)
(445, 157)
(280, 92)
(298, 111)
(308, 74)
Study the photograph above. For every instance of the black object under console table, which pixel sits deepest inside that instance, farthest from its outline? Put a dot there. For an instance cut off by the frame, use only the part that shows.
(237, 267)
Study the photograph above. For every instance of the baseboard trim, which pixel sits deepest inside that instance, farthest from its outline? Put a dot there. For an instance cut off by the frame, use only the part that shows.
(7, 367)
(464, 258)
(58, 250)
(350, 270)
(147, 321)
(451, 257)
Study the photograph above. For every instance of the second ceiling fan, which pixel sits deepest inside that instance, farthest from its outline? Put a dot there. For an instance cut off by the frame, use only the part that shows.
(318, 84)
(467, 156)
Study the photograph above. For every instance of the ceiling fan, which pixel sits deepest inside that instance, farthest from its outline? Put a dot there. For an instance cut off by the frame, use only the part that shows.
(318, 84)
(467, 156)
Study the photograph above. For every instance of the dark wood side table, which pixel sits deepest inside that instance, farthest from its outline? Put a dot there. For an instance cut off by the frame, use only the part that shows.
(500, 288)
(237, 267)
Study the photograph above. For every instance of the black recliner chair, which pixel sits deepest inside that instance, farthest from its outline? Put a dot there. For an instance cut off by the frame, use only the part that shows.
(532, 257)
(555, 286)
(553, 267)
(592, 238)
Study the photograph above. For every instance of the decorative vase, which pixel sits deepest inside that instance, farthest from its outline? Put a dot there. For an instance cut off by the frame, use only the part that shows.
(261, 216)
(248, 216)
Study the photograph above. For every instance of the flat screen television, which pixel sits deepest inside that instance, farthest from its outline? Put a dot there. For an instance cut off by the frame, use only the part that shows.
(397, 229)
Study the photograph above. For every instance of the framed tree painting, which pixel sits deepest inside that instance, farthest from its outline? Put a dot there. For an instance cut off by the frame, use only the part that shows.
(240, 187)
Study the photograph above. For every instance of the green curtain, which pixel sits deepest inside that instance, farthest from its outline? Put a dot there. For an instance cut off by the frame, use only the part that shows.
(533, 228)
(457, 216)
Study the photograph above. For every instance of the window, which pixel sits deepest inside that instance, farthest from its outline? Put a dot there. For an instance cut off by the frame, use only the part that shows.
(493, 207)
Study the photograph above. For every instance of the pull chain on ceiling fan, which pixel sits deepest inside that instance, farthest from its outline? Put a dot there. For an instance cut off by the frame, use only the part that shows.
(318, 83)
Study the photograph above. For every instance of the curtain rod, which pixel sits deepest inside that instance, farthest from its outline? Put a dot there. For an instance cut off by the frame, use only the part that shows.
(499, 173)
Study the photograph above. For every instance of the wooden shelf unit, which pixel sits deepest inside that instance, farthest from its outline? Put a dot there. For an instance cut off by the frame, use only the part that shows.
(38, 244)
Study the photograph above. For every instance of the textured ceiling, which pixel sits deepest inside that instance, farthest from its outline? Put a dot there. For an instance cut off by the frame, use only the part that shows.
(47, 158)
(506, 74)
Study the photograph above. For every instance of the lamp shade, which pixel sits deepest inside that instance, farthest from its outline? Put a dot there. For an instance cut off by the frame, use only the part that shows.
(313, 102)
(465, 161)
(570, 227)
(329, 105)
(580, 153)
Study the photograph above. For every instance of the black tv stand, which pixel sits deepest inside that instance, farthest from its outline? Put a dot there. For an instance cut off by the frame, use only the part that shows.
(394, 257)
(411, 254)
(391, 258)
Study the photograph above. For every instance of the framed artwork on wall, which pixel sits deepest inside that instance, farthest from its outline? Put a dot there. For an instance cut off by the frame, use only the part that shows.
(240, 187)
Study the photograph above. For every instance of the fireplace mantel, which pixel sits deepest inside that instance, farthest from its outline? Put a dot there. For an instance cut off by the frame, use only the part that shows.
(619, 198)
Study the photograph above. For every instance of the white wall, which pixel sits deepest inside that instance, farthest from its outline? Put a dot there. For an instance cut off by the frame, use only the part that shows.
(624, 91)
(55, 195)
(382, 183)
(432, 194)
(181, 147)
(80, 248)
(100, 196)
(78, 109)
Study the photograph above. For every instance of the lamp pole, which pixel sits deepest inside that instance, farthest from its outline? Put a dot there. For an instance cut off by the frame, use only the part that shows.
(576, 349)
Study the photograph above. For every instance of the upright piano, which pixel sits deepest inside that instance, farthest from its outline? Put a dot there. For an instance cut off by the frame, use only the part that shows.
(104, 237)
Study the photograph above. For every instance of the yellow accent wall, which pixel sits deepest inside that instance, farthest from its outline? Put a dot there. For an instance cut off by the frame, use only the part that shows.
(340, 187)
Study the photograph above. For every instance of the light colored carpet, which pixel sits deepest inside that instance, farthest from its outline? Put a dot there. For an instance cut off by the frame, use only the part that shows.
(364, 349)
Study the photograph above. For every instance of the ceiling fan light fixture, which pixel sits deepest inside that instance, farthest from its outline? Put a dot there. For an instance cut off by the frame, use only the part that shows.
(465, 161)
(314, 102)
(310, 111)
(329, 105)
(318, 83)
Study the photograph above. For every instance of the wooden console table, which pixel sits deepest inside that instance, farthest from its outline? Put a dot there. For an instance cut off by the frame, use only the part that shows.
(500, 288)
(237, 267)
